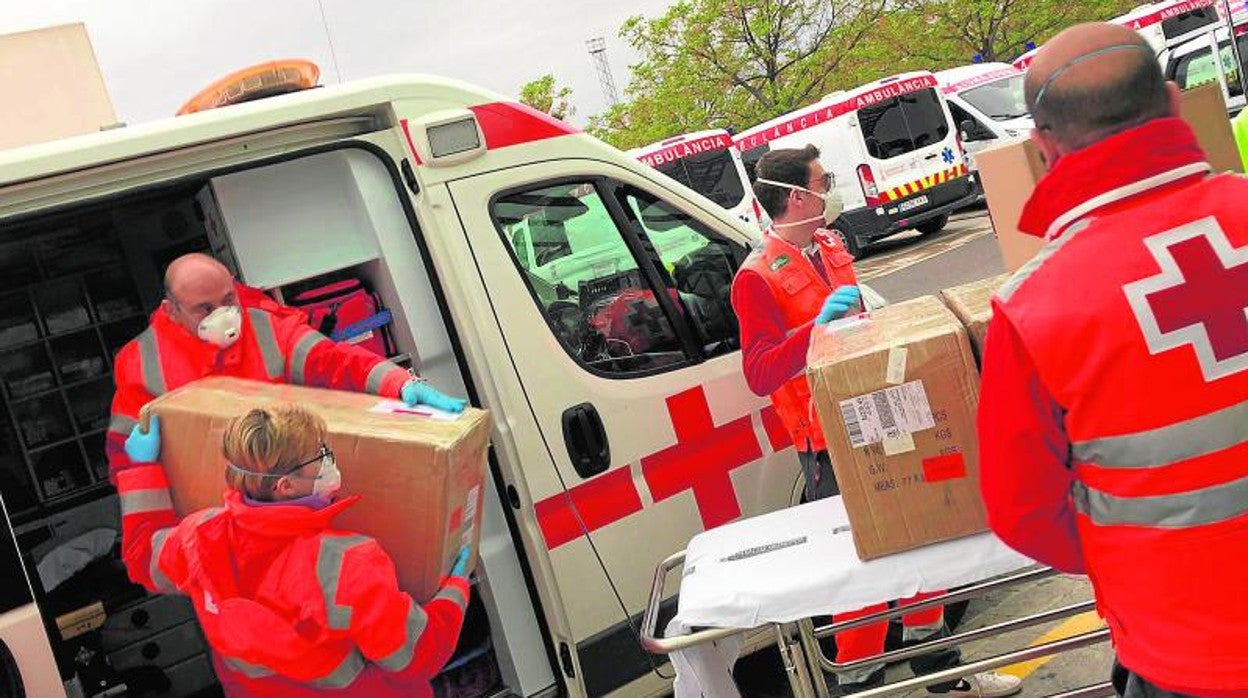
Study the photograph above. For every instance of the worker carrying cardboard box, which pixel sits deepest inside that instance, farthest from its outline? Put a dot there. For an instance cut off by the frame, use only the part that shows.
(290, 605)
(1115, 380)
(801, 276)
(207, 326)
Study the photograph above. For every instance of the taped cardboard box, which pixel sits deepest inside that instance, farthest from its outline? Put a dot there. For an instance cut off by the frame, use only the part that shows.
(1009, 172)
(896, 393)
(972, 304)
(421, 479)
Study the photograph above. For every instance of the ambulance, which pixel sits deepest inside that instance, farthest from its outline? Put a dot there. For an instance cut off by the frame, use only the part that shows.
(1191, 64)
(708, 163)
(988, 105)
(1167, 24)
(892, 148)
(1024, 61)
(568, 288)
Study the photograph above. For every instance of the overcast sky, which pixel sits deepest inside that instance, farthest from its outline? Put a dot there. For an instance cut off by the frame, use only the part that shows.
(155, 54)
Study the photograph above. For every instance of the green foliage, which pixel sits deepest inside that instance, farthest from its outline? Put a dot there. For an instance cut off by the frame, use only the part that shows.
(544, 94)
(737, 63)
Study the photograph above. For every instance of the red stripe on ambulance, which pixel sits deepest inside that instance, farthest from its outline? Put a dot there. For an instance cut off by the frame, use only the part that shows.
(603, 500)
(512, 123)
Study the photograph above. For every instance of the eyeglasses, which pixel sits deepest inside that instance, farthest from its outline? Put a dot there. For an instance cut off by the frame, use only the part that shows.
(826, 180)
(324, 455)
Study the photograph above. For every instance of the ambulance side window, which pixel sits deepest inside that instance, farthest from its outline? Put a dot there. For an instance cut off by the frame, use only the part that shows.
(700, 263)
(581, 273)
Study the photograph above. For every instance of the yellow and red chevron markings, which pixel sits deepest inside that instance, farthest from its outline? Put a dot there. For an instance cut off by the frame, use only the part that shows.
(918, 185)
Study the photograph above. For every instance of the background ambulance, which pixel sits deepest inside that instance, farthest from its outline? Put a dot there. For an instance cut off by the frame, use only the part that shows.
(559, 283)
(1191, 63)
(892, 147)
(987, 103)
(709, 163)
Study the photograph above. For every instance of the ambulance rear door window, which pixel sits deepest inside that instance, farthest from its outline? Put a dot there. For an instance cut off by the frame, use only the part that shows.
(588, 284)
(713, 175)
(903, 124)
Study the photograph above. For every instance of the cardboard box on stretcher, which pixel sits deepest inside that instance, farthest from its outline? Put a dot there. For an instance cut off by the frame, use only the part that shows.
(896, 392)
(421, 479)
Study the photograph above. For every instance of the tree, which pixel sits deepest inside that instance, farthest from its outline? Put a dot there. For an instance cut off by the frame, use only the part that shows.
(943, 33)
(544, 94)
(733, 63)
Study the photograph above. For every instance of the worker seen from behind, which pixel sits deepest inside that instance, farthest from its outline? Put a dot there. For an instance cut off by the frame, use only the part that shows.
(1114, 404)
(291, 606)
(203, 329)
(799, 278)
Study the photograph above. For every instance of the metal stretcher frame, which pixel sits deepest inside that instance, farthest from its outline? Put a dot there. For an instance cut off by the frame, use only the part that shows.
(805, 663)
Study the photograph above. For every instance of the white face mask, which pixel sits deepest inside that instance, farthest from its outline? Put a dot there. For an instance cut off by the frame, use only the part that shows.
(329, 480)
(832, 203)
(222, 326)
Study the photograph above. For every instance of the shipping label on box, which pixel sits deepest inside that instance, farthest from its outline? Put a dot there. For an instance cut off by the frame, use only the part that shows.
(420, 477)
(896, 396)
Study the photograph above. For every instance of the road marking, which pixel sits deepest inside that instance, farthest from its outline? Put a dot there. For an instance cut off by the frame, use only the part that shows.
(1075, 625)
(875, 267)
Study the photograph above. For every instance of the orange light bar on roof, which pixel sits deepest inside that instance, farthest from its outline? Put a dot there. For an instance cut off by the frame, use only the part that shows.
(255, 82)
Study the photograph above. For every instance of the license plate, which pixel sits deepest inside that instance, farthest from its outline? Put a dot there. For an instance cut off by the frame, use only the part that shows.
(912, 204)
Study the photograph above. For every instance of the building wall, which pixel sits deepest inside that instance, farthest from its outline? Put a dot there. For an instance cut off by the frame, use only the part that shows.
(51, 85)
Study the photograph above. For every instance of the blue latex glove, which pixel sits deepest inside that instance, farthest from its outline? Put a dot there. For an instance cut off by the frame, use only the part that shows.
(460, 569)
(839, 304)
(144, 447)
(424, 394)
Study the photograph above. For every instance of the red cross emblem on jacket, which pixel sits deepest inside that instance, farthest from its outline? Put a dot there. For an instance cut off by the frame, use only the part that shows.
(1199, 298)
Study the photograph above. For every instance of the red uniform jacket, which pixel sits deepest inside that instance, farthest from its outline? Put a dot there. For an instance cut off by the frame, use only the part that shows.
(291, 607)
(278, 347)
(1115, 396)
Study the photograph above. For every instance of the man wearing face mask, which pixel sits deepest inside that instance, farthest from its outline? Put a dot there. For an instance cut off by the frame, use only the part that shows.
(202, 329)
(800, 277)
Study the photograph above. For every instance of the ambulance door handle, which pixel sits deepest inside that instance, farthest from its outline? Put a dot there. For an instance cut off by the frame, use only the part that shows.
(933, 156)
(586, 440)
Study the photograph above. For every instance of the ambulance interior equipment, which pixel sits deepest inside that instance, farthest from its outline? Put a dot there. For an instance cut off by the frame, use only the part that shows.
(81, 283)
(892, 149)
(709, 163)
(756, 574)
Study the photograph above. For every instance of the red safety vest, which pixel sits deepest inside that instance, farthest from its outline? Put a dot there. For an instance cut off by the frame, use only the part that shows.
(800, 291)
(1134, 317)
(292, 607)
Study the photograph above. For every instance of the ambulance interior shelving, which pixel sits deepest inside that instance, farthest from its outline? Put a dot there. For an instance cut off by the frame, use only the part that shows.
(78, 285)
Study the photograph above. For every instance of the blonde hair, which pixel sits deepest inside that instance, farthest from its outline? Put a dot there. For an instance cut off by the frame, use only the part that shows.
(269, 441)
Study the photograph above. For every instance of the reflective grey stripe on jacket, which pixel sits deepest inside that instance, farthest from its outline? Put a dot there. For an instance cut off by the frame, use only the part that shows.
(145, 501)
(340, 676)
(266, 338)
(399, 659)
(149, 363)
(121, 424)
(1174, 443)
(1199, 507)
(159, 579)
(329, 573)
(299, 357)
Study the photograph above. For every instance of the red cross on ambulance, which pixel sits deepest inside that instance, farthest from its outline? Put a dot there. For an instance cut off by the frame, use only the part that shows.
(1200, 297)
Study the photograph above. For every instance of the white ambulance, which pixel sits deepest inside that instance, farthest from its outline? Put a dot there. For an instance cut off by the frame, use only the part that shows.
(892, 149)
(1167, 24)
(527, 266)
(1191, 64)
(709, 163)
(988, 105)
(1024, 61)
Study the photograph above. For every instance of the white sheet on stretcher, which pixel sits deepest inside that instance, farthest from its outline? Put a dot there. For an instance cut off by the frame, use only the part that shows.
(800, 562)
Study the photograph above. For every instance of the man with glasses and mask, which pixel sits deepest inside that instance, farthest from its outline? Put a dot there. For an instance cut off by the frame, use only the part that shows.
(203, 329)
(800, 277)
(1114, 403)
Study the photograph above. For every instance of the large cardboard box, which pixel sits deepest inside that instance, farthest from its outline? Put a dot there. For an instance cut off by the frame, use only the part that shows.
(1009, 172)
(896, 392)
(972, 304)
(421, 479)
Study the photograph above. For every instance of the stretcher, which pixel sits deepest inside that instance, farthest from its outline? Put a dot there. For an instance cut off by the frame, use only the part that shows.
(776, 572)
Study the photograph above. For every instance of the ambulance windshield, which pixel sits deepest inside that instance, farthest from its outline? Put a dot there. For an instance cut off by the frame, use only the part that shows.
(713, 175)
(1000, 100)
(903, 124)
